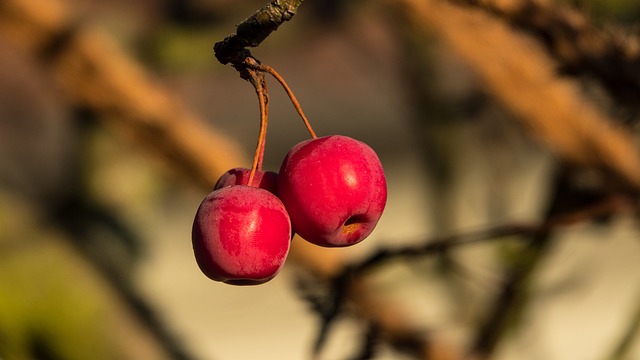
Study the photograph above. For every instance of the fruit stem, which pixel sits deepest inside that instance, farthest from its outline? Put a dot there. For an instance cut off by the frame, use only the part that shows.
(259, 83)
(264, 120)
(292, 97)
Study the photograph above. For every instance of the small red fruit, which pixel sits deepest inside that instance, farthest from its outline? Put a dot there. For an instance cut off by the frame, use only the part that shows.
(241, 235)
(240, 176)
(334, 189)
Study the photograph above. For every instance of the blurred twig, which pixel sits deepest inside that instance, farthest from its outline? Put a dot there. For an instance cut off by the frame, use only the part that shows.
(610, 205)
(390, 324)
(507, 308)
(343, 282)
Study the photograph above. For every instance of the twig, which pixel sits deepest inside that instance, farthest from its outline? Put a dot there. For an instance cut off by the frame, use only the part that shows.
(250, 33)
(254, 30)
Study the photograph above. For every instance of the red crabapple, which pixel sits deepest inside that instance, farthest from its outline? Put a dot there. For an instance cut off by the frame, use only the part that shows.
(334, 189)
(240, 176)
(241, 235)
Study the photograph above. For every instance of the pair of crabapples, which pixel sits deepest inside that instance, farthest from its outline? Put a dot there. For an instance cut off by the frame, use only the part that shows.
(331, 191)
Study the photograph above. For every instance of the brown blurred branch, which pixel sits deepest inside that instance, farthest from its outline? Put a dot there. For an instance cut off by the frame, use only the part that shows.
(95, 73)
(580, 47)
(517, 71)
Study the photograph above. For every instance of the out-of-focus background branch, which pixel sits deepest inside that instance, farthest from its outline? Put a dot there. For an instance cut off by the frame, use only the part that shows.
(606, 53)
(525, 79)
(116, 120)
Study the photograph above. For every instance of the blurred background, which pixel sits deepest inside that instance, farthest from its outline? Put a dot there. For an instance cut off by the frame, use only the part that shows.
(116, 120)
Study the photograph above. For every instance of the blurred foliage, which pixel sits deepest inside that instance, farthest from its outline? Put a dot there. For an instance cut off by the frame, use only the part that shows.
(52, 306)
(623, 11)
(181, 49)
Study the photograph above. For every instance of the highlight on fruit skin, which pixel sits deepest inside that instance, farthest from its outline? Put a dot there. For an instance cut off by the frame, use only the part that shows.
(334, 189)
(241, 235)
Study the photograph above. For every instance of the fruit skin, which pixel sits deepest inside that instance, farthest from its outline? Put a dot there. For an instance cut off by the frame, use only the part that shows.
(334, 189)
(240, 176)
(241, 235)
(267, 180)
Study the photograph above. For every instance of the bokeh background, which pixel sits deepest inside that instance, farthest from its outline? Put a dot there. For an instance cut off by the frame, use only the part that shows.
(116, 119)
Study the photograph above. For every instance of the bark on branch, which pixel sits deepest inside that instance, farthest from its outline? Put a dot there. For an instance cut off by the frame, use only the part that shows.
(254, 30)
